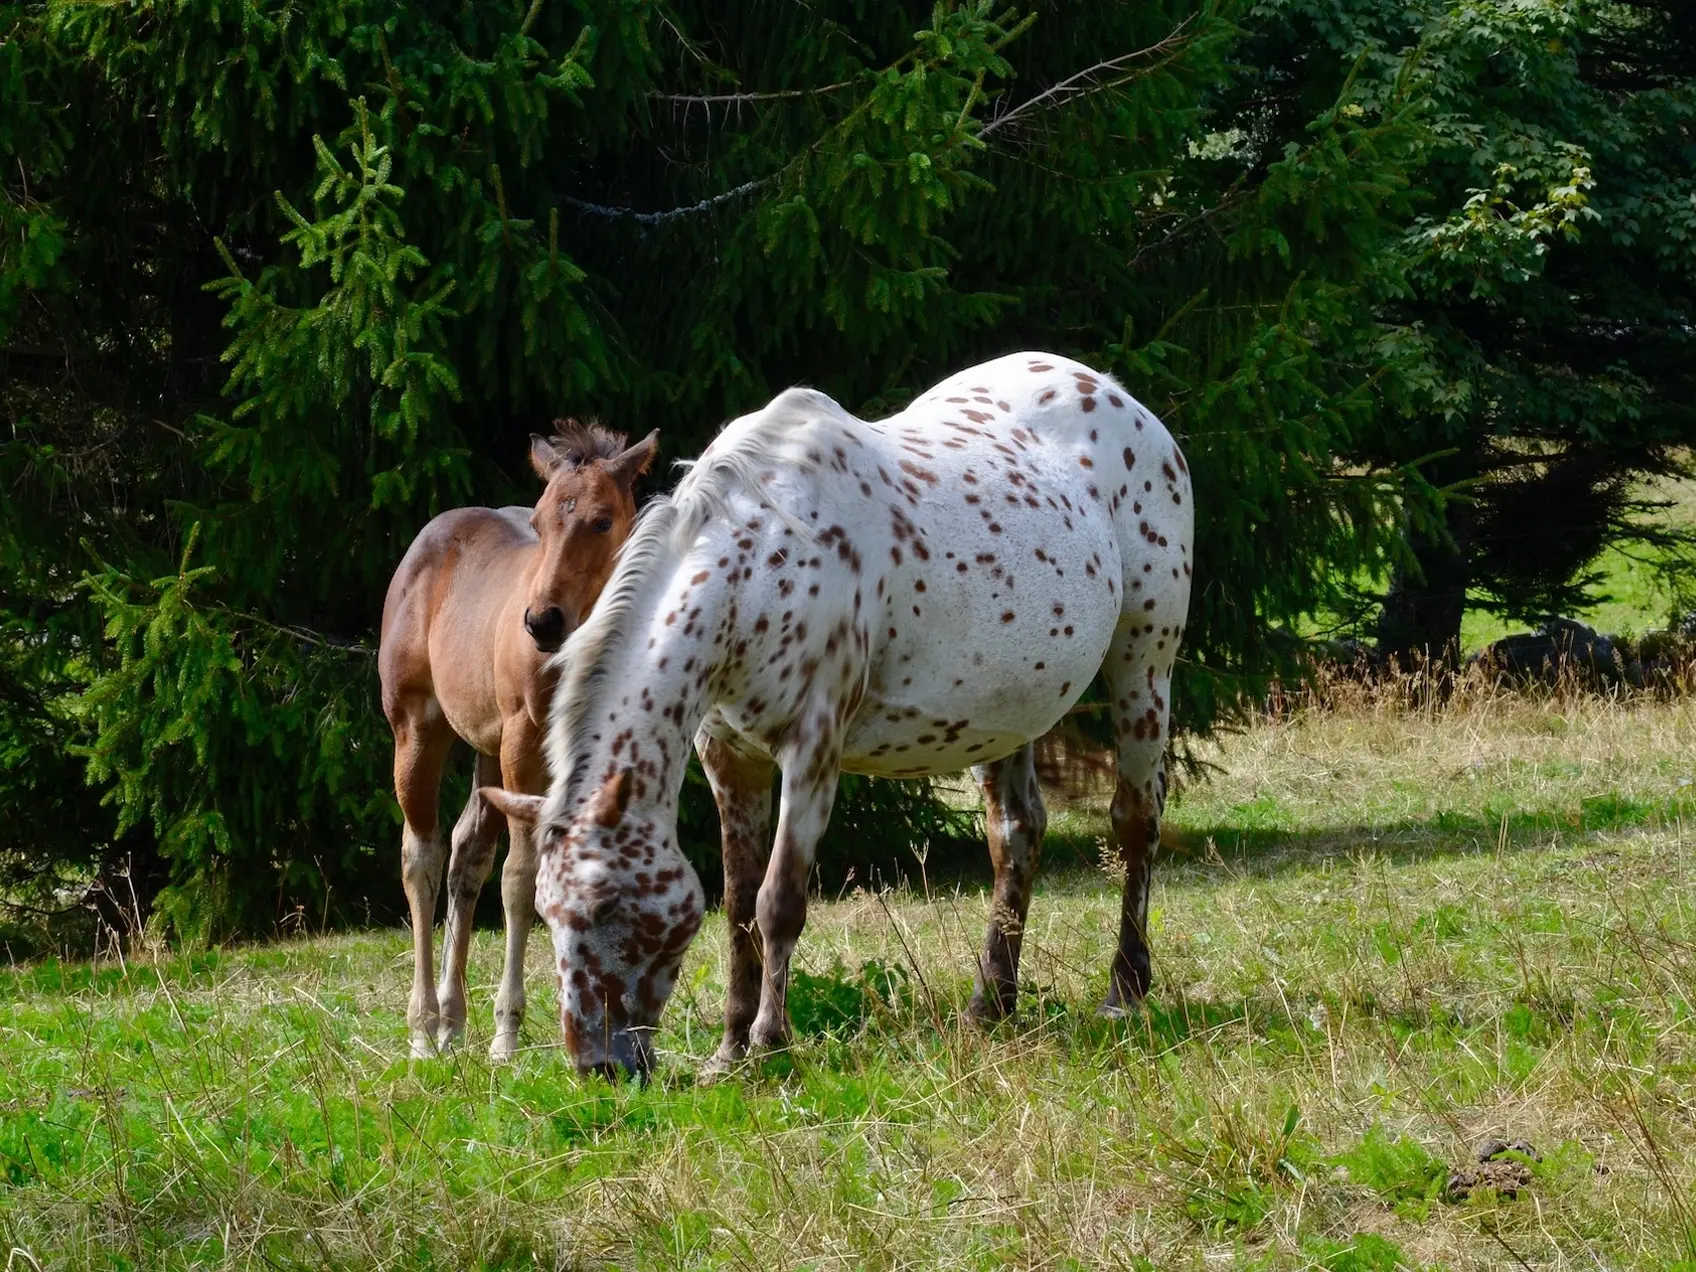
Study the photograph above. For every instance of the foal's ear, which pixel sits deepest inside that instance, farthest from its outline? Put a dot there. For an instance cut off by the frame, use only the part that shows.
(631, 464)
(607, 805)
(543, 457)
(524, 809)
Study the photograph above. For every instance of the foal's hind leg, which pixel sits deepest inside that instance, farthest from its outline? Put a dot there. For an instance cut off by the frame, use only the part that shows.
(474, 836)
(742, 788)
(422, 742)
(1139, 680)
(1015, 819)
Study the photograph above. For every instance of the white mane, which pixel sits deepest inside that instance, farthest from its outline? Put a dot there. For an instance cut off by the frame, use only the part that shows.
(737, 462)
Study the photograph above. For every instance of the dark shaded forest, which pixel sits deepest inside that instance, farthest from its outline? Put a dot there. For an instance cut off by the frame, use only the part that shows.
(1413, 284)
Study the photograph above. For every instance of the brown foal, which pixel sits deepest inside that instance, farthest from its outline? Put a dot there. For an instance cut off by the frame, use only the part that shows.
(482, 599)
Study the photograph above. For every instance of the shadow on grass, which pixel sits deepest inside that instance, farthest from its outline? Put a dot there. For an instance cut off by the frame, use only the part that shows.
(1232, 849)
(1165, 1023)
(1255, 845)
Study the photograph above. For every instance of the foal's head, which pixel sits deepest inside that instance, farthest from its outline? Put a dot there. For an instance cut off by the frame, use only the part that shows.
(623, 904)
(583, 516)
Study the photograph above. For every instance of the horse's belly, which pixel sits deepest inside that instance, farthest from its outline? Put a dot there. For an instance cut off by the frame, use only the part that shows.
(966, 687)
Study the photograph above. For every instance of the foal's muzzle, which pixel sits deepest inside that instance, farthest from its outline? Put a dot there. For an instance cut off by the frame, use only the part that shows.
(547, 629)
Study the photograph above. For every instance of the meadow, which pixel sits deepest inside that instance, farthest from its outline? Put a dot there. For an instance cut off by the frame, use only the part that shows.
(1382, 936)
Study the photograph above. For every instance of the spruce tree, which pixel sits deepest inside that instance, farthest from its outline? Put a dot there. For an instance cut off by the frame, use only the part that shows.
(280, 282)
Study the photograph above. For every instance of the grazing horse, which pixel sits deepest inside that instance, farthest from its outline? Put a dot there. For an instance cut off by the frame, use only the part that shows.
(482, 599)
(822, 593)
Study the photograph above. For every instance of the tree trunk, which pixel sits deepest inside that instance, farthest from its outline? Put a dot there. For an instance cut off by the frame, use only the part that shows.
(1422, 613)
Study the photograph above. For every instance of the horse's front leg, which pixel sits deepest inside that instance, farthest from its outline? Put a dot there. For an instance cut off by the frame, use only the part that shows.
(809, 790)
(742, 788)
(474, 836)
(1015, 819)
(422, 743)
(522, 771)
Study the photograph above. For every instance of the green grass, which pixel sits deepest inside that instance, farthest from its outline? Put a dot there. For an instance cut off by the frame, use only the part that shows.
(1385, 938)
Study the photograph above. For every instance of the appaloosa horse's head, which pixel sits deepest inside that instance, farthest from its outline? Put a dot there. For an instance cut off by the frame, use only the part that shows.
(623, 904)
(582, 517)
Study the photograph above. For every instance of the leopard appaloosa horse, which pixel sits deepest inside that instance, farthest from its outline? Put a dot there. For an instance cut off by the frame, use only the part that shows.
(821, 593)
(482, 599)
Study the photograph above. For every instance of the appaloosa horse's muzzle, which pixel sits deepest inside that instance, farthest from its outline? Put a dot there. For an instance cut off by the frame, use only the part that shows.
(627, 1054)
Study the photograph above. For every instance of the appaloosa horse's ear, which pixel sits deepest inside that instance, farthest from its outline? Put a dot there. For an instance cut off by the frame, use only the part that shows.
(631, 464)
(543, 457)
(607, 805)
(524, 809)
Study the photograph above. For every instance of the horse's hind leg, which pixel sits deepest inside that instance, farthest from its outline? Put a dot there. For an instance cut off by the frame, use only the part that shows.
(422, 742)
(1015, 819)
(742, 788)
(1139, 679)
(474, 836)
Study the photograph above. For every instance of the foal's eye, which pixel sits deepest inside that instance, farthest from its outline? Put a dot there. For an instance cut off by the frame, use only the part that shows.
(603, 526)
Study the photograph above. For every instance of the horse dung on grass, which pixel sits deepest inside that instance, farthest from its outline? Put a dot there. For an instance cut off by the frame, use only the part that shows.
(912, 596)
(481, 601)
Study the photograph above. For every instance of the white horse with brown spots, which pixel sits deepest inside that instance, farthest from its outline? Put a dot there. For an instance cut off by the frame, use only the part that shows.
(905, 597)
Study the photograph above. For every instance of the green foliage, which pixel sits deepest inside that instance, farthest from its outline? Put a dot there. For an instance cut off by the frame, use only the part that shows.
(1365, 1252)
(1238, 1168)
(842, 1002)
(302, 276)
(1397, 1168)
(1545, 290)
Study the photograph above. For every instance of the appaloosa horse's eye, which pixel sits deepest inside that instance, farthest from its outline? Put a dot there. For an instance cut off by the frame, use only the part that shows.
(603, 526)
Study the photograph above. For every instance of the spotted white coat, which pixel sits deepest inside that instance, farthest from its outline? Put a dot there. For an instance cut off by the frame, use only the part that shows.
(909, 596)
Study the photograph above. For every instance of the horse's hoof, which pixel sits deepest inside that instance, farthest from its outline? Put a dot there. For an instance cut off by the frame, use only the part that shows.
(1114, 1009)
(503, 1048)
(986, 1012)
(764, 1042)
(448, 1038)
(423, 1046)
(720, 1066)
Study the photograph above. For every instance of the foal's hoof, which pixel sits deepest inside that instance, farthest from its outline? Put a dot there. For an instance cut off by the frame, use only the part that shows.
(423, 1046)
(448, 1038)
(503, 1048)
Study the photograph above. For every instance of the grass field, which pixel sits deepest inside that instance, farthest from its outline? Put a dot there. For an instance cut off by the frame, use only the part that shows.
(1391, 937)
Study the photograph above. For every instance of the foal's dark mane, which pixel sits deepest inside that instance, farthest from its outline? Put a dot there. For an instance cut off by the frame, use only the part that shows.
(577, 442)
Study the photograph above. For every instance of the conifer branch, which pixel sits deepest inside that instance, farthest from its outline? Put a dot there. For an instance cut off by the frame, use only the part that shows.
(1086, 82)
(670, 214)
(738, 99)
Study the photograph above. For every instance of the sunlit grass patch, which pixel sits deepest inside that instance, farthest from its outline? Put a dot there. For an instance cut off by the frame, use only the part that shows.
(1382, 938)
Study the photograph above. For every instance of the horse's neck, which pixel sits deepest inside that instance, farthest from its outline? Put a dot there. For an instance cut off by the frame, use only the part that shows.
(657, 686)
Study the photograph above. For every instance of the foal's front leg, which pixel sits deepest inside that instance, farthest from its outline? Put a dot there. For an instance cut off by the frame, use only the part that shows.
(808, 793)
(742, 788)
(474, 836)
(523, 771)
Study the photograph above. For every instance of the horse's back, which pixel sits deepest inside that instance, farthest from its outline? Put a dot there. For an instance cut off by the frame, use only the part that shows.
(988, 531)
(461, 567)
